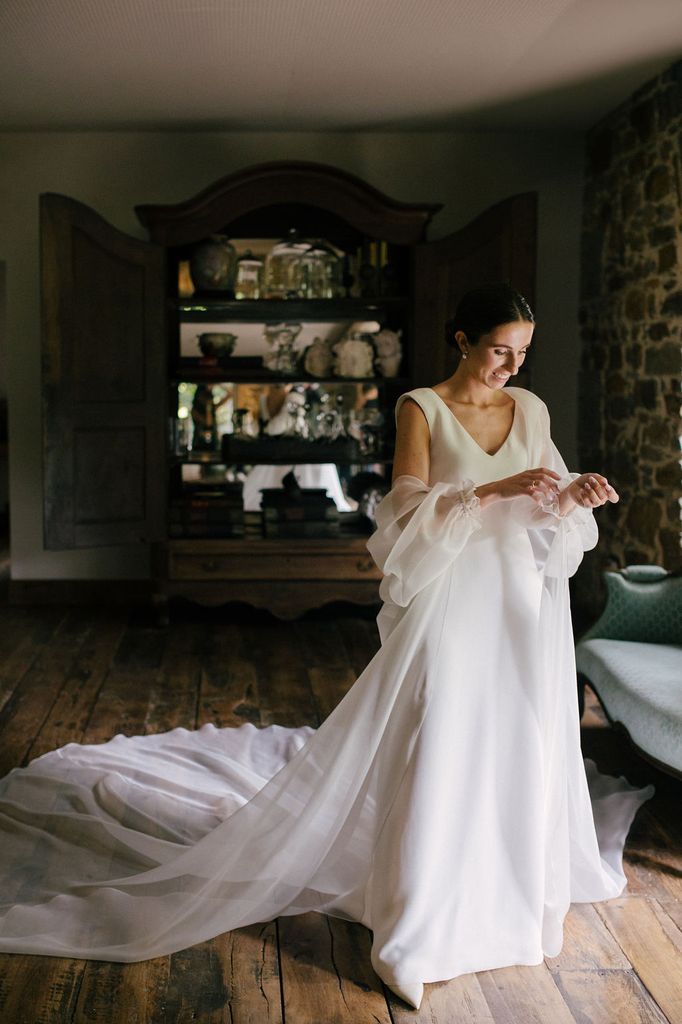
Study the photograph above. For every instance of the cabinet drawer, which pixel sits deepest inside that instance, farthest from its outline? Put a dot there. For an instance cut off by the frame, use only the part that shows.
(184, 565)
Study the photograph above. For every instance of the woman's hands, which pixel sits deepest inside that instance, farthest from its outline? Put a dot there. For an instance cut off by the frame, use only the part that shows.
(591, 490)
(588, 490)
(539, 484)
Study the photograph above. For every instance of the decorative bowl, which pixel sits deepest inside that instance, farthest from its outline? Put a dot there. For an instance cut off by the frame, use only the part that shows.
(217, 343)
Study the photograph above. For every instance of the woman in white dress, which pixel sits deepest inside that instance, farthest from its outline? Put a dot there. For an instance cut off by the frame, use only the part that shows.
(444, 803)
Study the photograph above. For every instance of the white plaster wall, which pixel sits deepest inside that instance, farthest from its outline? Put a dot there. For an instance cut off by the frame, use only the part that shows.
(112, 172)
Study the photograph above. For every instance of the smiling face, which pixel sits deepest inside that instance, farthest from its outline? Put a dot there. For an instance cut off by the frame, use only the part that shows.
(498, 355)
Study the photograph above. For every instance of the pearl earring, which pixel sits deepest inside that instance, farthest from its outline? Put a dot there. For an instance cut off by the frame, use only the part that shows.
(464, 355)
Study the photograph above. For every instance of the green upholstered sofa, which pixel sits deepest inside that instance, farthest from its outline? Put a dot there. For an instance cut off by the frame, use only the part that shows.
(632, 659)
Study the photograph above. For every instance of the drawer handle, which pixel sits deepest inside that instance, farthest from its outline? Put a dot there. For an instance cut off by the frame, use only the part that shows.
(211, 566)
(364, 564)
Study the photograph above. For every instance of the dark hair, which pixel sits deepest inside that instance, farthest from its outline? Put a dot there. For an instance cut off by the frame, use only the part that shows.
(482, 309)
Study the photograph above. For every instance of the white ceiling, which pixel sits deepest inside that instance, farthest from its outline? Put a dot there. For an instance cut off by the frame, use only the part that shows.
(326, 64)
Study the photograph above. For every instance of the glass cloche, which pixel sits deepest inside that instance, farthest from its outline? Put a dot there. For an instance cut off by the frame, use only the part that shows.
(283, 273)
(321, 272)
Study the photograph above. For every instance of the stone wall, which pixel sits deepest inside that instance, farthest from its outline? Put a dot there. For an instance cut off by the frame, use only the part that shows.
(631, 325)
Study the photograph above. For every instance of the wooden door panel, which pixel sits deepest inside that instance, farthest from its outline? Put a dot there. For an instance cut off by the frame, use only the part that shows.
(103, 381)
(500, 245)
(111, 333)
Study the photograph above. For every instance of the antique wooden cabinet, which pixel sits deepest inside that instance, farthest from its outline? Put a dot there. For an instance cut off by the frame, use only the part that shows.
(113, 363)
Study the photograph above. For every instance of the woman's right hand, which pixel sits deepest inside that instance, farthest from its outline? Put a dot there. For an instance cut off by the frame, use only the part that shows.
(539, 484)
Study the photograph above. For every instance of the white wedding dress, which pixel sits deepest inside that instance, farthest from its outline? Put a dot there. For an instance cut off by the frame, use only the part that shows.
(444, 803)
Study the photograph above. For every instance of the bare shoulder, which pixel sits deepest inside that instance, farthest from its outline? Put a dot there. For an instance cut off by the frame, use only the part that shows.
(411, 414)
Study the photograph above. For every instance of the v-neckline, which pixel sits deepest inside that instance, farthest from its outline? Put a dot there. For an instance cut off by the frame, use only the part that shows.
(491, 455)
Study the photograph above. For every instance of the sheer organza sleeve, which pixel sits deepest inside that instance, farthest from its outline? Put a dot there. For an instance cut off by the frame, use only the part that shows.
(420, 532)
(559, 541)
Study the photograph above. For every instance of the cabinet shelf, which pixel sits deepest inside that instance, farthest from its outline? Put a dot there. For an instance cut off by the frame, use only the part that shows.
(209, 309)
(275, 460)
(253, 372)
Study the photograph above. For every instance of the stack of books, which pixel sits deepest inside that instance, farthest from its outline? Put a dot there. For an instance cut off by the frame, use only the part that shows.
(208, 512)
(308, 512)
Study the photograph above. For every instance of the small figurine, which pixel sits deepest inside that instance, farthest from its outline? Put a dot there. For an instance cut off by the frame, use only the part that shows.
(318, 358)
(389, 352)
(281, 339)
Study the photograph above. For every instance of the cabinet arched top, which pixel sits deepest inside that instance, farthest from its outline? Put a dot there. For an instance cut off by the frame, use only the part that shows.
(360, 205)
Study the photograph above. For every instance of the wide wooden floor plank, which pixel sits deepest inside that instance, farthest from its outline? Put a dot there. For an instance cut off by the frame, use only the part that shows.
(652, 944)
(450, 1002)
(228, 689)
(588, 944)
(72, 710)
(673, 908)
(326, 973)
(653, 862)
(27, 709)
(329, 686)
(174, 689)
(23, 632)
(527, 994)
(253, 976)
(234, 979)
(608, 997)
(39, 990)
(321, 643)
(361, 640)
(283, 684)
(117, 993)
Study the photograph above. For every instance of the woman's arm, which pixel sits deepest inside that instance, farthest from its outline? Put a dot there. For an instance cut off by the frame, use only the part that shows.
(412, 443)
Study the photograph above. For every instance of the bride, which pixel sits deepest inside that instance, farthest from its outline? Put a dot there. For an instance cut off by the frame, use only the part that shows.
(444, 803)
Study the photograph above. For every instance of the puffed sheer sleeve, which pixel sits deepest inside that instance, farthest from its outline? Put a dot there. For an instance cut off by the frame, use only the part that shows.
(559, 541)
(420, 532)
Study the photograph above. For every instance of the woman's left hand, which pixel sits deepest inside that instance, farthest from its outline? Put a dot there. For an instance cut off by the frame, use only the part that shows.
(591, 490)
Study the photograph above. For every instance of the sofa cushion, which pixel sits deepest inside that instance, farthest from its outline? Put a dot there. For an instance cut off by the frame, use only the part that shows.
(640, 685)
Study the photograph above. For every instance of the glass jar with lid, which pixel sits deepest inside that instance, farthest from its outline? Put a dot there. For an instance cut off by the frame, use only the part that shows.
(248, 278)
(283, 275)
(321, 272)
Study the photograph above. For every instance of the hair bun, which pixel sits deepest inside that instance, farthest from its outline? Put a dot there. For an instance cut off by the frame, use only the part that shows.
(482, 309)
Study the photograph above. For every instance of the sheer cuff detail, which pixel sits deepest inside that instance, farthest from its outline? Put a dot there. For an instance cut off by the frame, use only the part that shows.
(420, 532)
(471, 503)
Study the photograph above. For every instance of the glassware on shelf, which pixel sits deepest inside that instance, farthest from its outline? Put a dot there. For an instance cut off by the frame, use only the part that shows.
(248, 280)
(321, 272)
(283, 272)
(369, 427)
(330, 418)
(298, 409)
(212, 264)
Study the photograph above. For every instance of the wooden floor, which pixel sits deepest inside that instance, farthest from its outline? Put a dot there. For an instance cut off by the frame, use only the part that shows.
(86, 674)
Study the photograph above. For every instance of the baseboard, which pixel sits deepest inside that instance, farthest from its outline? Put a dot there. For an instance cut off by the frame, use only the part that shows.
(81, 592)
